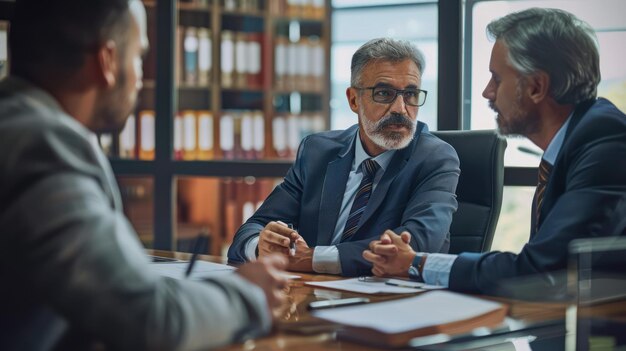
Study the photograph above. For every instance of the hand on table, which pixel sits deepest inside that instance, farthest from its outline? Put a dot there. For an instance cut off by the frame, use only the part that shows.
(391, 255)
(276, 237)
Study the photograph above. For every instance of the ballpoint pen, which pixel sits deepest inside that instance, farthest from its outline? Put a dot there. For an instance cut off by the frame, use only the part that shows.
(196, 250)
(292, 243)
(412, 285)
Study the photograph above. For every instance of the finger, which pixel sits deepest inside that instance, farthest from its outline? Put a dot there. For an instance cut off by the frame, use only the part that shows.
(385, 238)
(386, 250)
(274, 238)
(373, 244)
(392, 235)
(301, 244)
(406, 237)
(377, 271)
(374, 258)
(280, 228)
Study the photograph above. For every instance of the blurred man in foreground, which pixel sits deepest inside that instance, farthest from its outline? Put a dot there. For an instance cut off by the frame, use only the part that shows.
(72, 268)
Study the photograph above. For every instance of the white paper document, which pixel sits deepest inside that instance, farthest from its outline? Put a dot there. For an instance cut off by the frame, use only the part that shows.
(372, 285)
(424, 310)
(201, 270)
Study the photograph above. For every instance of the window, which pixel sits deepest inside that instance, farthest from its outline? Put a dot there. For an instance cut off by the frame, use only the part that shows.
(355, 22)
(605, 16)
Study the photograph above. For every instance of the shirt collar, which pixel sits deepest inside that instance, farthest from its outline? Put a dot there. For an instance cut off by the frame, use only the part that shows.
(360, 155)
(552, 151)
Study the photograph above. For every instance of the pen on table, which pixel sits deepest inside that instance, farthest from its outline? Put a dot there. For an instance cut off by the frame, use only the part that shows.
(196, 250)
(416, 286)
(292, 243)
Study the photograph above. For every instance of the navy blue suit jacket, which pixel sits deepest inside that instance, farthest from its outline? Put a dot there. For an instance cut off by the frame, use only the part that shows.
(416, 194)
(587, 186)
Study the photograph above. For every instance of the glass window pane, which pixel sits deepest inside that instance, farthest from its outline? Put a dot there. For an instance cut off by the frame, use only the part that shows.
(605, 16)
(513, 227)
(353, 27)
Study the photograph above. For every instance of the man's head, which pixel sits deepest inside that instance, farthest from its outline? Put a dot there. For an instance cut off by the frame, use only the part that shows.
(82, 47)
(540, 55)
(380, 69)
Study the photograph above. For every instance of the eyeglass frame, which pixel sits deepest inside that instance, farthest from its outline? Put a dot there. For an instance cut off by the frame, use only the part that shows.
(398, 92)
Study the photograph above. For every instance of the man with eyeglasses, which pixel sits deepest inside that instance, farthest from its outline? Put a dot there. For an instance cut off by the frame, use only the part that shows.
(347, 187)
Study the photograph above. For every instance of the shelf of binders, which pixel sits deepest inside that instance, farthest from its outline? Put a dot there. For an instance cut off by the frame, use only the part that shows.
(250, 80)
(248, 87)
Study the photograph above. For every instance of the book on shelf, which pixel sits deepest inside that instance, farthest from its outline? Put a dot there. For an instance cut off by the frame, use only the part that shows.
(146, 135)
(127, 139)
(254, 60)
(394, 323)
(190, 46)
(227, 135)
(178, 136)
(205, 135)
(246, 136)
(190, 133)
(241, 60)
(227, 58)
(258, 128)
(204, 56)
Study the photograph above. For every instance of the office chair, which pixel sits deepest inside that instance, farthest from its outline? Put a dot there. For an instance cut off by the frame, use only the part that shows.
(479, 193)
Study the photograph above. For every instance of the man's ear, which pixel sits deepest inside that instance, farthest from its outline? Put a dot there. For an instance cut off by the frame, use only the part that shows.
(538, 86)
(352, 95)
(107, 63)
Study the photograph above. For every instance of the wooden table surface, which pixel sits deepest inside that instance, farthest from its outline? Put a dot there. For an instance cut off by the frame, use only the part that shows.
(297, 330)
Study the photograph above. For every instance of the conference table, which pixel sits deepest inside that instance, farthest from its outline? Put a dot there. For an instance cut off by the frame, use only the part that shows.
(297, 330)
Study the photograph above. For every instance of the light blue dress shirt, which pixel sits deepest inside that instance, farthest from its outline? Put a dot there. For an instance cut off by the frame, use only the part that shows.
(326, 258)
(437, 268)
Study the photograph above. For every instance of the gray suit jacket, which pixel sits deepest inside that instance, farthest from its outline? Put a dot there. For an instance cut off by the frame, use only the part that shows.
(69, 259)
(416, 194)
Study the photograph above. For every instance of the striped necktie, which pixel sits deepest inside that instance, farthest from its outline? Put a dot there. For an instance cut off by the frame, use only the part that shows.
(544, 173)
(368, 168)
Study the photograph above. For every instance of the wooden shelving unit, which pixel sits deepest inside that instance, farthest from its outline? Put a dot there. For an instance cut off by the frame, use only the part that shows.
(199, 193)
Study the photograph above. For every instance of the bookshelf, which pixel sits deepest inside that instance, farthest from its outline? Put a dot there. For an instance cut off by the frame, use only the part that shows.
(230, 89)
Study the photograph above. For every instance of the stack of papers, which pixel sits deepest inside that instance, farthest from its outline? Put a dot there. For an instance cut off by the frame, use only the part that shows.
(397, 322)
(372, 285)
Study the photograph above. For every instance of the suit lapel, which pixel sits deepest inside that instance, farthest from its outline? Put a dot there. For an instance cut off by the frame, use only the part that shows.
(548, 199)
(333, 190)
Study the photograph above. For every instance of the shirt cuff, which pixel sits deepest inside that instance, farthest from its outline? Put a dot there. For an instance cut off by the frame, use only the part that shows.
(437, 269)
(251, 246)
(326, 260)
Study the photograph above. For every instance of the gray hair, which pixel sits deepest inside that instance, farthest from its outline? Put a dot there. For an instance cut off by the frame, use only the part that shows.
(556, 42)
(383, 49)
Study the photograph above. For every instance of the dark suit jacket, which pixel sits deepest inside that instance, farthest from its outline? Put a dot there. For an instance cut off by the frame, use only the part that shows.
(416, 193)
(584, 191)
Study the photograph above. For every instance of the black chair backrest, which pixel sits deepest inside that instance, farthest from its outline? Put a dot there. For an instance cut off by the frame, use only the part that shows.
(479, 193)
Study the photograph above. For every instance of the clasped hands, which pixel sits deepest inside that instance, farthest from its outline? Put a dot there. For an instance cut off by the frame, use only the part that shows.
(392, 255)
(276, 237)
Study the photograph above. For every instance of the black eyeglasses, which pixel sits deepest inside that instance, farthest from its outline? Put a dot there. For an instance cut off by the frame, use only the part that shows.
(387, 95)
